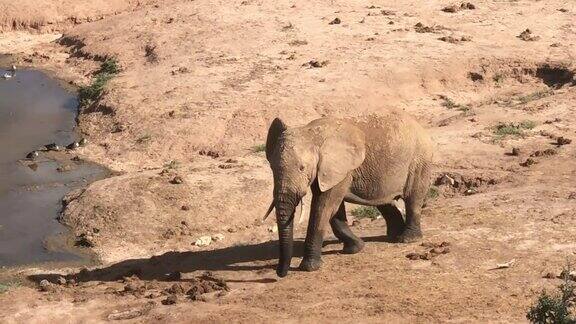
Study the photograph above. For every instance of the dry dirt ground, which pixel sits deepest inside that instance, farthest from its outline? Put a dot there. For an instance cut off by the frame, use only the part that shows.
(200, 82)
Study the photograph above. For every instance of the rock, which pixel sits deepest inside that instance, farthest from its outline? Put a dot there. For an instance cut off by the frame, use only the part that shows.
(528, 162)
(546, 152)
(64, 168)
(203, 241)
(61, 280)
(47, 286)
(170, 300)
(232, 230)
(131, 313)
(336, 21)
(176, 289)
(177, 180)
(550, 275)
(84, 240)
(52, 147)
(73, 145)
(217, 237)
(527, 36)
(185, 207)
(563, 141)
(451, 9)
(32, 155)
(83, 142)
(515, 151)
(315, 64)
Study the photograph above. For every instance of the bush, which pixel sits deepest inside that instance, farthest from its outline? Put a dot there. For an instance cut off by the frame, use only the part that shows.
(88, 94)
(555, 308)
(366, 212)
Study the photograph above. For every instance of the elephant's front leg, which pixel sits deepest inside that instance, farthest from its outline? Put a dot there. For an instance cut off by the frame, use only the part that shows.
(324, 206)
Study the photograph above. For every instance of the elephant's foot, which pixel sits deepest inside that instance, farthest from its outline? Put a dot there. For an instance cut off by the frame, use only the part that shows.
(409, 236)
(353, 247)
(310, 264)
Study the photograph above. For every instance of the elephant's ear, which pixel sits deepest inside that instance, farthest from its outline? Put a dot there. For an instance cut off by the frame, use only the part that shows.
(276, 129)
(341, 152)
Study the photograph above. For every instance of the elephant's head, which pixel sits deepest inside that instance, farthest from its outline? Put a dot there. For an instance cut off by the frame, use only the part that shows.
(326, 151)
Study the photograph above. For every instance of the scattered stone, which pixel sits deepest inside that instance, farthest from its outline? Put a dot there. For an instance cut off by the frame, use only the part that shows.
(84, 240)
(435, 245)
(61, 280)
(225, 166)
(551, 121)
(455, 8)
(555, 44)
(47, 286)
(131, 313)
(572, 195)
(563, 10)
(64, 168)
(315, 64)
(209, 153)
(528, 162)
(504, 265)
(515, 151)
(52, 147)
(83, 142)
(73, 146)
(217, 237)
(185, 207)
(421, 28)
(176, 288)
(563, 141)
(119, 127)
(177, 180)
(336, 21)
(527, 36)
(232, 230)
(32, 155)
(170, 300)
(418, 256)
(550, 275)
(76, 159)
(546, 152)
(203, 241)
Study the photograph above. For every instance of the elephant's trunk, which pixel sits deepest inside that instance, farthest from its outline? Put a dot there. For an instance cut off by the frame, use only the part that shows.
(285, 221)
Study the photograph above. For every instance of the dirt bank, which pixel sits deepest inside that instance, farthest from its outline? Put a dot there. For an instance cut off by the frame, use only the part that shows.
(200, 82)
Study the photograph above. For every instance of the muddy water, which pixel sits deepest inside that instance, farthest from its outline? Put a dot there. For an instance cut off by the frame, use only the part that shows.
(34, 111)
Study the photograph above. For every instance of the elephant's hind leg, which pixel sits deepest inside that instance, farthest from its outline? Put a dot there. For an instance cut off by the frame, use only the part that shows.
(394, 221)
(415, 197)
(352, 243)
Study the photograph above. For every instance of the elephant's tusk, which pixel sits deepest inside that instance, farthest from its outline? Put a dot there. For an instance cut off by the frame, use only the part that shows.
(301, 212)
(269, 210)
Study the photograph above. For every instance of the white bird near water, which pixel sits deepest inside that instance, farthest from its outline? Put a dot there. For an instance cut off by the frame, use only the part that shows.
(10, 73)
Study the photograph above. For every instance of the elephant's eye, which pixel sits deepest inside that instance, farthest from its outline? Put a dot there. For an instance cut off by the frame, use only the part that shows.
(301, 168)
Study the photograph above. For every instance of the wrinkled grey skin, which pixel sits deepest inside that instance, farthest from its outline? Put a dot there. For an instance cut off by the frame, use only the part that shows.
(370, 161)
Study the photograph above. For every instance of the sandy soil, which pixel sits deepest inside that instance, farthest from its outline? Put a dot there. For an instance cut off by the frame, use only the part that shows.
(201, 81)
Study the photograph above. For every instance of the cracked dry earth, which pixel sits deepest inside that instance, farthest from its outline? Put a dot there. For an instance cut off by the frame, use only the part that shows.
(201, 81)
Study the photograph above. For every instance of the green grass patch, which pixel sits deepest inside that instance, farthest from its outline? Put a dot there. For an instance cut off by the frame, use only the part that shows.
(5, 286)
(433, 193)
(450, 104)
(513, 129)
(90, 93)
(534, 96)
(259, 148)
(366, 212)
(557, 307)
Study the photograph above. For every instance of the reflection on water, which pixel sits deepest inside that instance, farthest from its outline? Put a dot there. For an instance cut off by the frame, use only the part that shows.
(34, 111)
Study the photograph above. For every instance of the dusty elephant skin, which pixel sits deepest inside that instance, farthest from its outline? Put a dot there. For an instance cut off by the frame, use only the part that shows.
(369, 161)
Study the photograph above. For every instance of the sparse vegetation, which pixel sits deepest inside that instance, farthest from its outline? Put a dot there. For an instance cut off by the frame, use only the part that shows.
(555, 308)
(433, 193)
(513, 129)
(90, 93)
(5, 286)
(259, 148)
(450, 104)
(534, 96)
(366, 212)
(143, 139)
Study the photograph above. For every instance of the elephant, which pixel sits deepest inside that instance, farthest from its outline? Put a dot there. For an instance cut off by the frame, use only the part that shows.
(370, 160)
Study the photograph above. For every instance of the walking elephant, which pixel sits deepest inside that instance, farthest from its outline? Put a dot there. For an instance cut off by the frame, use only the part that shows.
(370, 161)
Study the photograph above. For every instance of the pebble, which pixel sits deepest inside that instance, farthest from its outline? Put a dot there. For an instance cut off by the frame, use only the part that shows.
(73, 145)
(177, 180)
(46, 286)
(217, 237)
(203, 241)
(83, 142)
(52, 147)
(170, 300)
(32, 155)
